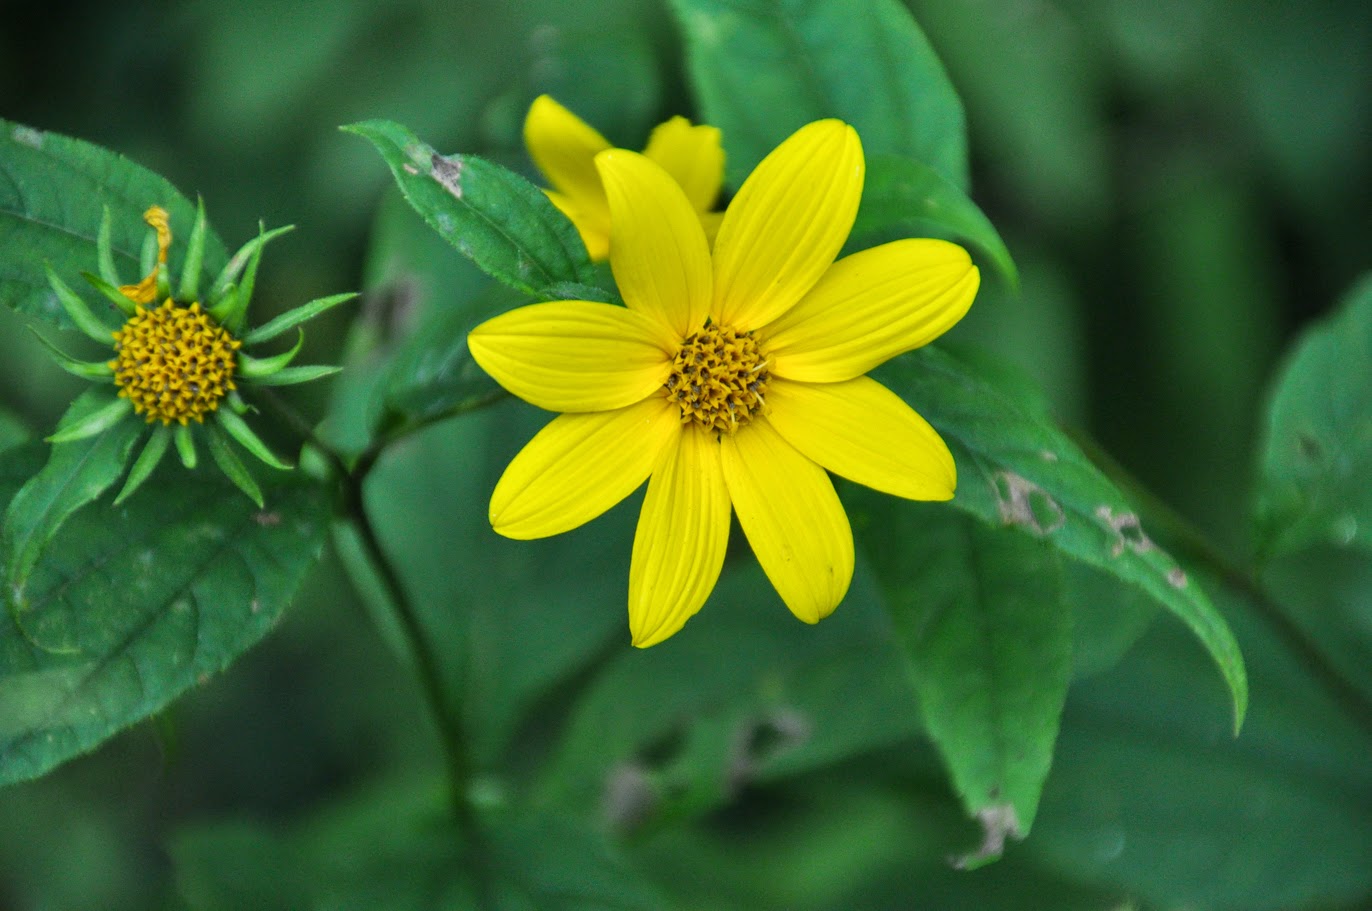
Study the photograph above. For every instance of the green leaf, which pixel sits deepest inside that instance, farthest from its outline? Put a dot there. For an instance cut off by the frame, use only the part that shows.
(53, 192)
(653, 739)
(76, 473)
(1150, 795)
(982, 615)
(1317, 459)
(903, 198)
(395, 847)
(131, 607)
(1016, 468)
(496, 218)
(764, 68)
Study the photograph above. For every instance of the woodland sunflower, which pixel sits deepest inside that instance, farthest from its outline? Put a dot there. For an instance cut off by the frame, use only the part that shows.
(732, 380)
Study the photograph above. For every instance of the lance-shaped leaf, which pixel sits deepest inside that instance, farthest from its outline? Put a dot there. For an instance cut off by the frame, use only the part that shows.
(76, 473)
(764, 68)
(499, 220)
(903, 198)
(1015, 468)
(981, 613)
(133, 606)
(52, 205)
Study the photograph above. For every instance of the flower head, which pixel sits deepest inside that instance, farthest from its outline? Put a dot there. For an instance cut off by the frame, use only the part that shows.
(565, 147)
(177, 364)
(730, 381)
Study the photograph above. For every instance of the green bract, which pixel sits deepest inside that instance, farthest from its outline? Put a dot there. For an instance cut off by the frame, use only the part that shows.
(178, 361)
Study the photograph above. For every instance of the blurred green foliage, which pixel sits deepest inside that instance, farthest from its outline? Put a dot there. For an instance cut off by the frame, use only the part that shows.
(1183, 185)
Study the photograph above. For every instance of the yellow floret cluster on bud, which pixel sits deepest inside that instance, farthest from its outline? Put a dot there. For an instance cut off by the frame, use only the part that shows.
(718, 378)
(175, 364)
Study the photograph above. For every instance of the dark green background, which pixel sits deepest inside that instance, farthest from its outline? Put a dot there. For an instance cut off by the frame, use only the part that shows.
(1183, 185)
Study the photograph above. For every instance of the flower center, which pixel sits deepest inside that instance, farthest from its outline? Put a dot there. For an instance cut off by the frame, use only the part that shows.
(174, 363)
(718, 378)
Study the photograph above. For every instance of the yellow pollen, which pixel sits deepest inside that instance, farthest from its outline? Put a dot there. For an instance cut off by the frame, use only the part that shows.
(174, 363)
(718, 379)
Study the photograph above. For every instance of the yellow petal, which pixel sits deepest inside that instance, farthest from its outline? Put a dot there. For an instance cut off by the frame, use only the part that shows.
(574, 355)
(693, 156)
(658, 251)
(564, 147)
(871, 306)
(787, 507)
(579, 466)
(683, 532)
(863, 431)
(787, 223)
(594, 229)
(711, 221)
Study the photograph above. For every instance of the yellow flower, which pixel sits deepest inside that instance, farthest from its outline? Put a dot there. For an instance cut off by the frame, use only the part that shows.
(565, 147)
(177, 364)
(733, 379)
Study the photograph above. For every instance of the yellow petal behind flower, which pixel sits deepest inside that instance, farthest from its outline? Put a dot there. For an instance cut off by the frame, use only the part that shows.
(787, 223)
(871, 306)
(574, 355)
(564, 147)
(693, 156)
(658, 252)
(594, 230)
(864, 432)
(683, 532)
(145, 292)
(580, 465)
(792, 517)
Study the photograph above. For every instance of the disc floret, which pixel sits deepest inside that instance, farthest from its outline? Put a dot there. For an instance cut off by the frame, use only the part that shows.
(175, 364)
(718, 379)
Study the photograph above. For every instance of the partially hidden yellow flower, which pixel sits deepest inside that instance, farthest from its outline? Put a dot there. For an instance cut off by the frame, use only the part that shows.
(565, 147)
(730, 380)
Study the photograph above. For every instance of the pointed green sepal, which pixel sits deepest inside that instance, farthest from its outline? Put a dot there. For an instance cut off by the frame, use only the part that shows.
(240, 431)
(163, 282)
(104, 251)
(96, 422)
(116, 297)
(235, 401)
(230, 273)
(80, 314)
(185, 446)
(233, 469)
(148, 258)
(147, 460)
(295, 317)
(292, 375)
(226, 304)
(252, 368)
(91, 370)
(195, 256)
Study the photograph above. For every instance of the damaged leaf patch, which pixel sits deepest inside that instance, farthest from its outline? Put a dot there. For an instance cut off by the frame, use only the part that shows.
(490, 214)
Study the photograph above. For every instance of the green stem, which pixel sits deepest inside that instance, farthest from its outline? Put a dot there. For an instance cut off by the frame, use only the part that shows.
(1185, 539)
(444, 709)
